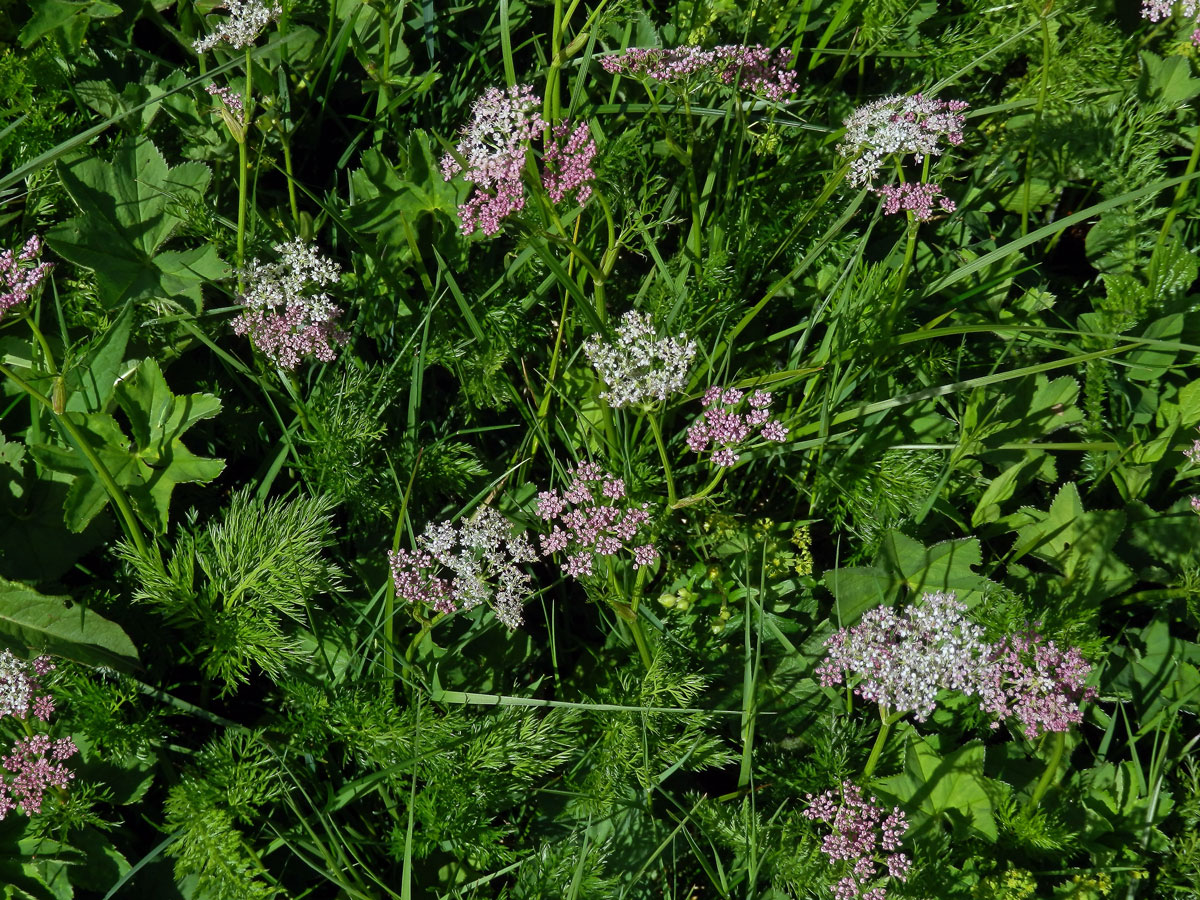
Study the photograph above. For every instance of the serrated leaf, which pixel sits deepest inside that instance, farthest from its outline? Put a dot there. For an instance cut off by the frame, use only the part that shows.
(942, 567)
(1079, 544)
(92, 380)
(149, 466)
(859, 588)
(954, 786)
(125, 218)
(46, 624)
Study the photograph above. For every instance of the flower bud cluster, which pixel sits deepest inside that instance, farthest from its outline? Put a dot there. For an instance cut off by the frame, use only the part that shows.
(915, 198)
(902, 660)
(247, 19)
(638, 366)
(481, 556)
(36, 762)
(1157, 10)
(287, 314)
(755, 69)
(722, 426)
(862, 842)
(20, 274)
(1036, 682)
(591, 521)
(899, 125)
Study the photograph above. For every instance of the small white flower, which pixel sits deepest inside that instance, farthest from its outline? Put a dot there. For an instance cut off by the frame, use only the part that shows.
(639, 366)
(247, 19)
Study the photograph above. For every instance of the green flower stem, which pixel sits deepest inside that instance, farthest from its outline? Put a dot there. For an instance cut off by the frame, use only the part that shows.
(639, 638)
(652, 420)
(910, 249)
(243, 169)
(708, 489)
(427, 626)
(291, 180)
(389, 597)
(120, 499)
(1056, 753)
(885, 726)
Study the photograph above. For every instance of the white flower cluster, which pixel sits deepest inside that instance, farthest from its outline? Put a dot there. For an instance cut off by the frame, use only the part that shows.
(639, 366)
(483, 554)
(293, 281)
(905, 659)
(247, 19)
(899, 124)
(16, 686)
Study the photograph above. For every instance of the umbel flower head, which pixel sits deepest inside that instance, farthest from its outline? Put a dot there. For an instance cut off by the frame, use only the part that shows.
(915, 198)
(863, 843)
(638, 366)
(20, 274)
(902, 660)
(493, 149)
(461, 566)
(756, 69)
(247, 19)
(900, 125)
(722, 425)
(34, 763)
(592, 521)
(287, 314)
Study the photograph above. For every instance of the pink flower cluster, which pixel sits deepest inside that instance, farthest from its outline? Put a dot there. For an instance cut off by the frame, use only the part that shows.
(756, 69)
(1035, 682)
(915, 198)
(232, 99)
(724, 427)
(862, 840)
(494, 145)
(902, 660)
(37, 761)
(20, 274)
(568, 162)
(287, 314)
(592, 522)
(1157, 10)
(482, 554)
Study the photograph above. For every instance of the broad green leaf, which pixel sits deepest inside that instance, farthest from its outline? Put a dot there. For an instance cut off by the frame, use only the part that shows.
(952, 786)
(859, 588)
(1159, 673)
(92, 380)
(1152, 362)
(126, 215)
(44, 624)
(1169, 80)
(1189, 404)
(149, 466)
(1003, 486)
(942, 567)
(1079, 544)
